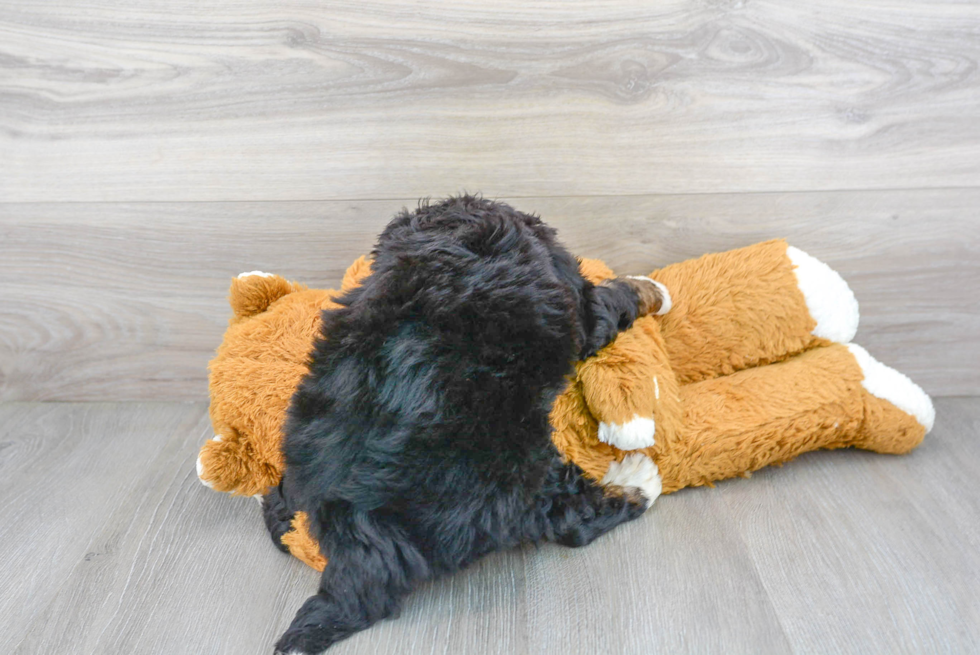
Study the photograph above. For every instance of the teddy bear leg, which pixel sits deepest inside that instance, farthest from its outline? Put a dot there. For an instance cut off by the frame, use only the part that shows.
(829, 300)
(635, 470)
(752, 306)
(832, 397)
(356, 273)
(897, 412)
(739, 423)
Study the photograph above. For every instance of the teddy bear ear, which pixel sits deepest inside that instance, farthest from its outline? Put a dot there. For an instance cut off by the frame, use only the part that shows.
(594, 270)
(356, 273)
(251, 293)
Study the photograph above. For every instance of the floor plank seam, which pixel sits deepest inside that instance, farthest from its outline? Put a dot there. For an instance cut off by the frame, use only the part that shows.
(441, 192)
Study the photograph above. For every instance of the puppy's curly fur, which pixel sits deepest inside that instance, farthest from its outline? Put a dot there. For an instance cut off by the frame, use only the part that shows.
(419, 440)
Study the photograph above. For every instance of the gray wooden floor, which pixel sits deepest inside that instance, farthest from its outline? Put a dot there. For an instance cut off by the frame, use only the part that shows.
(306, 99)
(149, 151)
(123, 301)
(112, 546)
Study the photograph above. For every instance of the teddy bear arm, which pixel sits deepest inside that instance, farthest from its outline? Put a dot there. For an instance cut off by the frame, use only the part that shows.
(630, 389)
(575, 435)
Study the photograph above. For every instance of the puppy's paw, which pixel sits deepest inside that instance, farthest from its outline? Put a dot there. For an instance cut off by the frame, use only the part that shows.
(636, 500)
(636, 473)
(654, 297)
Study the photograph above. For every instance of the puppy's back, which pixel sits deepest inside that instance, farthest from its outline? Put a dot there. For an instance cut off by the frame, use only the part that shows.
(440, 370)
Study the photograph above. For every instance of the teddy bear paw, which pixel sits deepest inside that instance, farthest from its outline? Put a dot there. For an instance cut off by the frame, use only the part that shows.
(200, 474)
(636, 433)
(830, 301)
(884, 382)
(200, 467)
(251, 273)
(636, 470)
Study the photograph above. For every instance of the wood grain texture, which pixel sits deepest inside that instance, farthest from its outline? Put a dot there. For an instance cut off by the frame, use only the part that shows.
(869, 553)
(62, 471)
(305, 100)
(173, 569)
(677, 580)
(127, 301)
(112, 546)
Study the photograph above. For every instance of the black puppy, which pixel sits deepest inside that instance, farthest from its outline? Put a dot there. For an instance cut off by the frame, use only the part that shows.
(419, 440)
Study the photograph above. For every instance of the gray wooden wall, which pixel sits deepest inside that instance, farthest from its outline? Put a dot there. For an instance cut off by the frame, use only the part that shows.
(149, 152)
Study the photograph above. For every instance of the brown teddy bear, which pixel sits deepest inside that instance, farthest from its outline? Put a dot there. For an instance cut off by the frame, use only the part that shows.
(751, 366)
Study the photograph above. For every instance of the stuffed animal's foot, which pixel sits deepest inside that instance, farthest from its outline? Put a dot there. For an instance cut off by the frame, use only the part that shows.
(203, 474)
(356, 273)
(638, 471)
(828, 298)
(888, 384)
(898, 413)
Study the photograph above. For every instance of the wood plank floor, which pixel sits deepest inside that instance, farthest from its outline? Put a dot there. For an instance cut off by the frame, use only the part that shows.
(126, 301)
(306, 100)
(112, 546)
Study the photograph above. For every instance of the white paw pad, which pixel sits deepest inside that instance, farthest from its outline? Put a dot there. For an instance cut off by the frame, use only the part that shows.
(636, 470)
(200, 466)
(828, 298)
(251, 273)
(200, 472)
(895, 387)
(635, 433)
